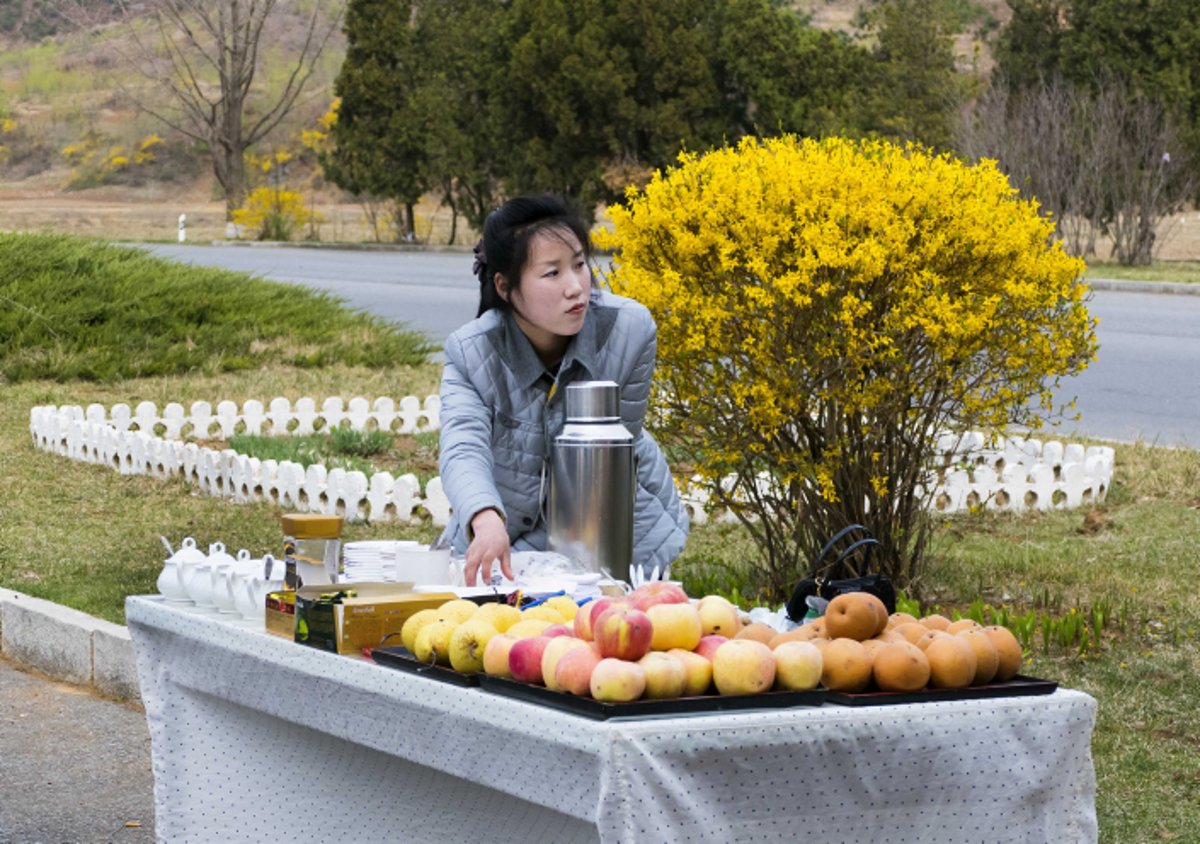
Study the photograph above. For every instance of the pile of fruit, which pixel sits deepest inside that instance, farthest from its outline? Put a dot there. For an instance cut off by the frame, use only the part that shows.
(656, 643)
(862, 647)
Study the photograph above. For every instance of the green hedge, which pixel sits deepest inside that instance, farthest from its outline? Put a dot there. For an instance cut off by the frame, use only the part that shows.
(73, 309)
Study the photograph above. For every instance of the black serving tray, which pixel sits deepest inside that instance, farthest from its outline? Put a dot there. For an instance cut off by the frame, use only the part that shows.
(1018, 686)
(600, 711)
(402, 658)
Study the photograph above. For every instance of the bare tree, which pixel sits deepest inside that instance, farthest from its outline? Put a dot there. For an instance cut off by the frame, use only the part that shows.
(1099, 158)
(1147, 178)
(205, 57)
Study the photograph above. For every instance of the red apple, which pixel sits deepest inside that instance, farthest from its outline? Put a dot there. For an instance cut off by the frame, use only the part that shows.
(623, 632)
(585, 619)
(559, 645)
(574, 671)
(658, 592)
(559, 630)
(709, 644)
(525, 659)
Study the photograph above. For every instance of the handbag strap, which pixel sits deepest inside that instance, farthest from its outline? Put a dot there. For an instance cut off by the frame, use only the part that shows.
(865, 542)
(867, 539)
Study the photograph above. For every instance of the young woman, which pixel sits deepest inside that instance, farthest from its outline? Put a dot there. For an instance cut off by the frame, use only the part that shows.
(542, 324)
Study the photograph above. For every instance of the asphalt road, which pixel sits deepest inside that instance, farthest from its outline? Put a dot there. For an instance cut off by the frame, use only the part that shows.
(1144, 385)
(433, 292)
(73, 768)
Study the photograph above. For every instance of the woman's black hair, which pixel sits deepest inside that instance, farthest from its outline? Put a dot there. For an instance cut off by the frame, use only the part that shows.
(507, 233)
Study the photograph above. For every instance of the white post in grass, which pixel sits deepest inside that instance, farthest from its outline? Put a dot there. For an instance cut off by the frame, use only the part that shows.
(182, 227)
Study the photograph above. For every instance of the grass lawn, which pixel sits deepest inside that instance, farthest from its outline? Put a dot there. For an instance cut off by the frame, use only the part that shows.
(85, 536)
(1176, 271)
(130, 328)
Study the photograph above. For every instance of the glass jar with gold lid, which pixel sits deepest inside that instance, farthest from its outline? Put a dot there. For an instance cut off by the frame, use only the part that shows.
(312, 548)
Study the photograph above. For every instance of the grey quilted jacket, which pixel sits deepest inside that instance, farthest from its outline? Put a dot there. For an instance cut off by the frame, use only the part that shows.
(501, 411)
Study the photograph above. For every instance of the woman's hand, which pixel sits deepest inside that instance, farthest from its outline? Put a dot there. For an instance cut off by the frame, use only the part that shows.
(490, 543)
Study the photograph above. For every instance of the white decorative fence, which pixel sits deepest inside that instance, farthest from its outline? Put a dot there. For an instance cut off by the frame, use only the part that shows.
(1010, 474)
(145, 442)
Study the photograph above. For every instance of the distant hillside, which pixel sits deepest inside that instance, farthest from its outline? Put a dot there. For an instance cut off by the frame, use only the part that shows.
(978, 22)
(71, 111)
(33, 20)
(75, 113)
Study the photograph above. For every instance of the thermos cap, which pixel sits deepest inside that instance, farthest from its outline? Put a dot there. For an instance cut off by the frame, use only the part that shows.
(593, 401)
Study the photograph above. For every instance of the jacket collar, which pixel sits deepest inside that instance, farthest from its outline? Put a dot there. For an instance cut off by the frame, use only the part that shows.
(584, 348)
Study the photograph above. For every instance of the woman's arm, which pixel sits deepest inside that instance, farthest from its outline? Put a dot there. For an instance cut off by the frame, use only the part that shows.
(465, 464)
(635, 389)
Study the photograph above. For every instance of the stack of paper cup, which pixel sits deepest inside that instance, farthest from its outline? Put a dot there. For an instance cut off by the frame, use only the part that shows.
(372, 560)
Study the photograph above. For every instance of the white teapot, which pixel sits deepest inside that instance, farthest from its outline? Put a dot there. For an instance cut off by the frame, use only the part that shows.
(172, 580)
(197, 580)
(252, 599)
(222, 565)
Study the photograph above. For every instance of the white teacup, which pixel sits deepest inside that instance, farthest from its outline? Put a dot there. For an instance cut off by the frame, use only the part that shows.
(422, 565)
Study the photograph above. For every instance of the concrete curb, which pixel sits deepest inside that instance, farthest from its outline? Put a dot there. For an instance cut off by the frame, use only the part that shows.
(341, 247)
(1127, 286)
(68, 645)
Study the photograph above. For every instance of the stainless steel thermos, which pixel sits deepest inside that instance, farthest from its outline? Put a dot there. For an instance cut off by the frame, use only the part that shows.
(592, 481)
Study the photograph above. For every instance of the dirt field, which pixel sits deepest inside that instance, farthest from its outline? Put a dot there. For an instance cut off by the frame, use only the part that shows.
(152, 214)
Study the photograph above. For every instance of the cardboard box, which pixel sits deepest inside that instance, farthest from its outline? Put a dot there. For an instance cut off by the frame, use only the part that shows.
(281, 613)
(346, 626)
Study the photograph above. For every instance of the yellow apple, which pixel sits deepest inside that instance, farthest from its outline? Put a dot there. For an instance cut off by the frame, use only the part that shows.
(543, 612)
(697, 672)
(617, 680)
(467, 644)
(457, 610)
(718, 616)
(565, 606)
(527, 628)
(666, 676)
(500, 616)
(495, 655)
(412, 626)
(797, 666)
(675, 626)
(433, 642)
(743, 667)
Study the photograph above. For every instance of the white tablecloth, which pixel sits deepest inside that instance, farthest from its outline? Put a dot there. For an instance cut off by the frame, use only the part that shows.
(254, 738)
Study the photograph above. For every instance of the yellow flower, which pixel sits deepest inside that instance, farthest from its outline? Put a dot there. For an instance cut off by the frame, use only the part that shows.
(815, 299)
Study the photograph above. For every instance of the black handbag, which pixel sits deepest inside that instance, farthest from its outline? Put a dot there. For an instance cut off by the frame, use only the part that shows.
(879, 585)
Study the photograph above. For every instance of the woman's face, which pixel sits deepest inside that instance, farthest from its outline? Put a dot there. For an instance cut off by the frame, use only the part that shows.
(552, 298)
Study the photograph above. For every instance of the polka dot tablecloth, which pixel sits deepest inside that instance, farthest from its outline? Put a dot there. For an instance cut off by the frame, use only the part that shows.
(255, 738)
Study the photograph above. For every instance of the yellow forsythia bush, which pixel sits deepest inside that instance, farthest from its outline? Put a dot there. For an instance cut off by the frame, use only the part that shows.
(274, 213)
(825, 309)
